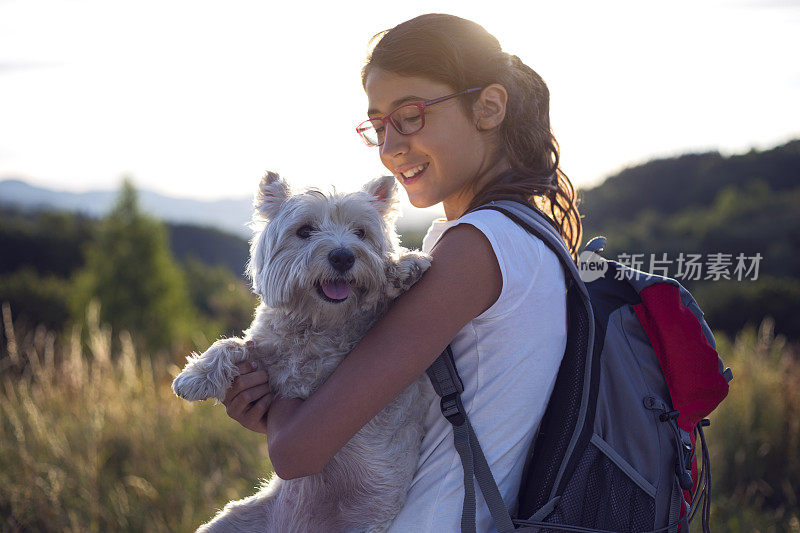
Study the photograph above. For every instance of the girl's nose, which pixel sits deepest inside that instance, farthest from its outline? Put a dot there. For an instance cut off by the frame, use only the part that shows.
(393, 143)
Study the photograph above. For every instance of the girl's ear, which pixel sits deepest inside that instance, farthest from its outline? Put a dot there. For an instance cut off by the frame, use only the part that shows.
(490, 108)
(383, 192)
(272, 192)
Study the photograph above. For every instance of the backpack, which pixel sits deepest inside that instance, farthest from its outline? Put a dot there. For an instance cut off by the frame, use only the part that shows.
(616, 447)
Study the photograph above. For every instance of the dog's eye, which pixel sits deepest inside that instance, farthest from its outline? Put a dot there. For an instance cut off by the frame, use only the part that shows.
(304, 232)
(359, 233)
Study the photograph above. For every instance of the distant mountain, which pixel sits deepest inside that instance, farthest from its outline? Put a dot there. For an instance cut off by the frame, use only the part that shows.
(227, 215)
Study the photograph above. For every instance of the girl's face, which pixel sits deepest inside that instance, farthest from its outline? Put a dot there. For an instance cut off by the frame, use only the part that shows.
(450, 148)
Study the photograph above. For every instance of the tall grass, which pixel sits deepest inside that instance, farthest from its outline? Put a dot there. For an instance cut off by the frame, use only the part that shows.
(92, 440)
(754, 437)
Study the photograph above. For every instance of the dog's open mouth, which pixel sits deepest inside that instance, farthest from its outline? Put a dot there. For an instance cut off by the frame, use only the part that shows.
(335, 291)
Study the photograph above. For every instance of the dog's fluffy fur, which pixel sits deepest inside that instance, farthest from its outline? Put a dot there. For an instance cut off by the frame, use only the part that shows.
(302, 330)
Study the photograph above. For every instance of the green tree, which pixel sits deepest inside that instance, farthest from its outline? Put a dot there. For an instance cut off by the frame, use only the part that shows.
(131, 273)
(224, 301)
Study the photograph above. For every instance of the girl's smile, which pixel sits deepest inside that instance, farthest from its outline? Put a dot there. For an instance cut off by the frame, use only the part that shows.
(408, 175)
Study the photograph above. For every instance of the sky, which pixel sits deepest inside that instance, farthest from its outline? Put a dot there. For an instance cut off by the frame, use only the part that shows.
(198, 98)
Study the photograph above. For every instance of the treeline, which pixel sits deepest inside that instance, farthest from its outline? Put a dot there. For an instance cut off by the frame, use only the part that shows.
(728, 228)
(736, 219)
(172, 286)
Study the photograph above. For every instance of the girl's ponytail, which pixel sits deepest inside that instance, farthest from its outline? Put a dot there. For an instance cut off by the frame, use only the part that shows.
(530, 146)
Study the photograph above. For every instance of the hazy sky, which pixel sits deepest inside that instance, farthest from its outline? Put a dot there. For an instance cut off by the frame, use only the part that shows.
(198, 98)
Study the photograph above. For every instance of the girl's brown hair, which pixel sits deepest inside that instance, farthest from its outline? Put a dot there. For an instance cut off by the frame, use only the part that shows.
(462, 54)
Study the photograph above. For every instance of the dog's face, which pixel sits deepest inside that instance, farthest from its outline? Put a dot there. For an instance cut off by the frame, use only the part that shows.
(322, 256)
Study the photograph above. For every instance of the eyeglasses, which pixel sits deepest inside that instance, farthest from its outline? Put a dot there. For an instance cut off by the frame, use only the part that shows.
(406, 119)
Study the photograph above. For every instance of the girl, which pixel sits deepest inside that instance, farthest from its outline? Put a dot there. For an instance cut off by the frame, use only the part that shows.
(461, 122)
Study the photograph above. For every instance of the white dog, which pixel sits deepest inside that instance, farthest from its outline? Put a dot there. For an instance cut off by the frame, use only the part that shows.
(326, 268)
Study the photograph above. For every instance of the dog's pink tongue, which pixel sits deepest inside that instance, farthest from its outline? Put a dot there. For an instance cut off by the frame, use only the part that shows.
(337, 290)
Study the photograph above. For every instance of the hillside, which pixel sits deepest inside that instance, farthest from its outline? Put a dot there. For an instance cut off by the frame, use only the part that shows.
(43, 253)
(715, 209)
(51, 242)
(667, 186)
(706, 206)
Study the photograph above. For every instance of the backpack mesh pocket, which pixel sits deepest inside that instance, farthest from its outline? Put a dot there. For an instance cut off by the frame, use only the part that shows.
(601, 494)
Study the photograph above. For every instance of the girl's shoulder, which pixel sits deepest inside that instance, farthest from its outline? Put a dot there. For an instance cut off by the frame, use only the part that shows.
(503, 229)
(495, 226)
(527, 266)
(512, 245)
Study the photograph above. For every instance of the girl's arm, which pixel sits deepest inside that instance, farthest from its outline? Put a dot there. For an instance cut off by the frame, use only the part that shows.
(463, 281)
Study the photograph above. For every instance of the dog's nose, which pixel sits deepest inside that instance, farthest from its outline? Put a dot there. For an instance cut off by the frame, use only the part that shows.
(341, 259)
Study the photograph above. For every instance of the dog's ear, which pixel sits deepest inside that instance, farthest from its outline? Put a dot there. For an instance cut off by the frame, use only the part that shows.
(272, 192)
(383, 191)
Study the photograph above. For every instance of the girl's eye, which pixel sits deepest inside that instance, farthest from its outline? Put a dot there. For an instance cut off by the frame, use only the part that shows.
(304, 232)
(359, 233)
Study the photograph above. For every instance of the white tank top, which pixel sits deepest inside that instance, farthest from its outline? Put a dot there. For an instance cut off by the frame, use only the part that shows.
(508, 358)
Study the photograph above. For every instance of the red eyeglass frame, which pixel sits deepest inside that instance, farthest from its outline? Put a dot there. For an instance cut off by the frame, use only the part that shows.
(420, 106)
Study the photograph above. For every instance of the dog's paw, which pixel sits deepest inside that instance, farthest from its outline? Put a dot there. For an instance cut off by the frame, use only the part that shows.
(407, 270)
(193, 387)
(209, 374)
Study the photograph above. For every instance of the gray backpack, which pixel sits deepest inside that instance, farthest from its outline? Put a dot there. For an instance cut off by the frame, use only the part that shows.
(615, 450)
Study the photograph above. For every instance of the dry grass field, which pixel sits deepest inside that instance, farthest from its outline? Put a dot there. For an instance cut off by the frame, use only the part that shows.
(92, 438)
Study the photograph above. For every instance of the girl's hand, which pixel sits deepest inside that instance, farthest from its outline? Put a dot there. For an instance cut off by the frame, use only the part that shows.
(249, 397)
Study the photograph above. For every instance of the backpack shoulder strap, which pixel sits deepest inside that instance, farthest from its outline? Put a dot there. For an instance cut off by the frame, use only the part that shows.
(447, 384)
(567, 423)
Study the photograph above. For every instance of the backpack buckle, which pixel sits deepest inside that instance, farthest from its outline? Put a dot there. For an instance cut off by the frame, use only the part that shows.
(453, 409)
